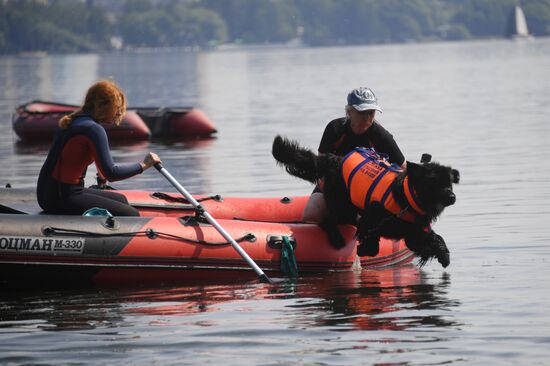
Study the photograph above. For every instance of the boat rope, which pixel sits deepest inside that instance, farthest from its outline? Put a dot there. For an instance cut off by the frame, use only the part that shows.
(25, 112)
(288, 264)
(42, 115)
(150, 233)
(170, 198)
(24, 108)
(267, 221)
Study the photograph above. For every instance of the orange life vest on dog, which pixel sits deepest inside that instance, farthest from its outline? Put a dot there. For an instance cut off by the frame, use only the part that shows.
(369, 177)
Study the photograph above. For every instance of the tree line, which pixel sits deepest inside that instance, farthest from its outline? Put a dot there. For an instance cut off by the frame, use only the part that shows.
(61, 26)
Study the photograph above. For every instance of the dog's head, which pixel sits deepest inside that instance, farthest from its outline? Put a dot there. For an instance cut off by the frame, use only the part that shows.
(433, 184)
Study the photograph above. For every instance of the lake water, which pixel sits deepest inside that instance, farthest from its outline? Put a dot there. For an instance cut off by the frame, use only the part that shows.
(481, 107)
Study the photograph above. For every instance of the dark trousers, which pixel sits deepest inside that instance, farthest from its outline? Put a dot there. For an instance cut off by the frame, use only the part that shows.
(67, 199)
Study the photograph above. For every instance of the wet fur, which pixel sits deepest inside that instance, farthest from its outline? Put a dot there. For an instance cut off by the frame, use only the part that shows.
(432, 182)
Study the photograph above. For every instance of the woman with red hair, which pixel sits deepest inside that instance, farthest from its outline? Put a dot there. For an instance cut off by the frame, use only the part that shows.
(82, 141)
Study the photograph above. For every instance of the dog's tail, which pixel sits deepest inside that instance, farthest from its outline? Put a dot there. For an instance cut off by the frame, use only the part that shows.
(298, 161)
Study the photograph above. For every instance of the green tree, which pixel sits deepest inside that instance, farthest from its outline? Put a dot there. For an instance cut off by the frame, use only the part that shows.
(313, 20)
(3, 29)
(537, 14)
(196, 27)
(137, 6)
(170, 25)
(63, 26)
(79, 26)
(148, 29)
(484, 18)
(257, 21)
(456, 32)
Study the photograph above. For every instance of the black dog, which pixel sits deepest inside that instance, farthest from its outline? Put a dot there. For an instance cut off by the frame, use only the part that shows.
(380, 199)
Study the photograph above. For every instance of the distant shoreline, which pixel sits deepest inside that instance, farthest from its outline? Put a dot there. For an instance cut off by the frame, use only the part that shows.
(235, 47)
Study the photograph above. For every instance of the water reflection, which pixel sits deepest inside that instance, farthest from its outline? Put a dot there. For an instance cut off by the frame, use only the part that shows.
(390, 299)
(42, 148)
(433, 102)
(47, 78)
(191, 143)
(387, 299)
(25, 147)
(187, 160)
(158, 79)
(59, 310)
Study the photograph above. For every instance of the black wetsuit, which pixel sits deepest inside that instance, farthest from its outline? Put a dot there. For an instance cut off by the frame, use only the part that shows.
(60, 188)
(339, 139)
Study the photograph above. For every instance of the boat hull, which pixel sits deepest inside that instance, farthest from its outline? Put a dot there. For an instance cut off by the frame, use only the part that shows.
(61, 250)
(170, 204)
(177, 123)
(160, 246)
(38, 121)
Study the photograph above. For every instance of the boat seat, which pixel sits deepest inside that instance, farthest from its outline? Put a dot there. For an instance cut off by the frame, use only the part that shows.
(21, 208)
(19, 201)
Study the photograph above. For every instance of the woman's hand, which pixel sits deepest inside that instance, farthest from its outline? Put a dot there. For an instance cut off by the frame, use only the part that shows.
(150, 160)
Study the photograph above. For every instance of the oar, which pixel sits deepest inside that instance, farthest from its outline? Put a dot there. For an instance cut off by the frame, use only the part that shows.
(211, 220)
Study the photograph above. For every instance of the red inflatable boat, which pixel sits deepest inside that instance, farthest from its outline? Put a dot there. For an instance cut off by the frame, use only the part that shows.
(38, 121)
(171, 243)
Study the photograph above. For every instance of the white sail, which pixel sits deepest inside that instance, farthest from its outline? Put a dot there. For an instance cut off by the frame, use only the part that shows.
(521, 23)
(520, 30)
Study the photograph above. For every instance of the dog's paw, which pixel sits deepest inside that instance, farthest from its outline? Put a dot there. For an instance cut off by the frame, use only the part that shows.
(435, 247)
(368, 250)
(428, 247)
(441, 251)
(369, 245)
(334, 236)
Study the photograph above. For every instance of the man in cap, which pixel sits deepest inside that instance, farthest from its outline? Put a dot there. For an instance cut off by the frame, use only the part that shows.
(358, 128)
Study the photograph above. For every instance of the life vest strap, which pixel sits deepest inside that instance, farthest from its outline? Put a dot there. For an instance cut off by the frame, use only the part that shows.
(365, 173)
(410, 194)
(355, 170)
(373, 186)
(385, 195)
(371, 153)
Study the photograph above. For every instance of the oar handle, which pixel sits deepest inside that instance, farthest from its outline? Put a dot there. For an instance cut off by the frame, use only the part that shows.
(213, 222)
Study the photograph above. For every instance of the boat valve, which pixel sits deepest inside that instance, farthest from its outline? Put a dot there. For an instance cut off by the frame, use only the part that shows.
(151, 233)
(276, 241)
(250, 237)
(110, 223)
(48, 230)
(199, 210)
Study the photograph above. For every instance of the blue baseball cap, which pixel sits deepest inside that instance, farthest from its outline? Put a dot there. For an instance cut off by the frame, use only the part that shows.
(363, 99)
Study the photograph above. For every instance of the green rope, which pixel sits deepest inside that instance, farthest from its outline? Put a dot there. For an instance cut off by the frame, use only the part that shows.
(288, 260)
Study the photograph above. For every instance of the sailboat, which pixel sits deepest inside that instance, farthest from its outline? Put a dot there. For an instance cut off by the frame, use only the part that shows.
(518, 25)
